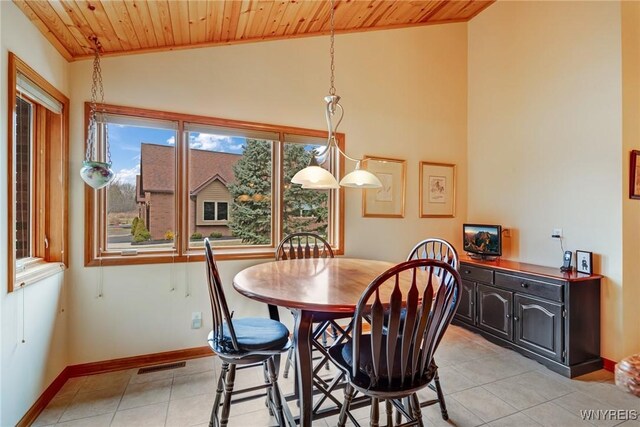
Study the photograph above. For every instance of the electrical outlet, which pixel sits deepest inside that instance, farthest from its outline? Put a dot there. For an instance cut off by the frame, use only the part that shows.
(506, 232)
(196, 320)
(556, 233)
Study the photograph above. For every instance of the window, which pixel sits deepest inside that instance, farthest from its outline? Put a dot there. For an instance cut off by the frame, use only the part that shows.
(183, 178)
(215, 211)
(38, 166)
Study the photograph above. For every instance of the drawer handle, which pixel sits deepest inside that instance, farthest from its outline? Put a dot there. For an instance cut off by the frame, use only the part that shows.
(516, 318)
(467, 272)
(508, 316)
(524, 285)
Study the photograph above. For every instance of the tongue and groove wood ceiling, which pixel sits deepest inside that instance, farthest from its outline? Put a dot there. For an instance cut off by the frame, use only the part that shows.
(132, 26)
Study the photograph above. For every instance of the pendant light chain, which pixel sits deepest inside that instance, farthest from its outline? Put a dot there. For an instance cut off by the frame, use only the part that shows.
(332, 87)
(96, 88)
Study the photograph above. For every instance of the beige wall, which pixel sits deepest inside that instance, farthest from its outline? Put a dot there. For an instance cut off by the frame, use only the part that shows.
(404, 92)
(630, 141)
(27, 368)
(545, 138)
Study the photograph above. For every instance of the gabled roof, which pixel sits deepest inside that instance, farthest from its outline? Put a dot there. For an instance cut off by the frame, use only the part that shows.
(157, 168)
(207, 182)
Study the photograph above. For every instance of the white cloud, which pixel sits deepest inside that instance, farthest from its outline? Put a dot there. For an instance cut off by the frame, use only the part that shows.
(209, 142)
(171, 141)
(128, 175)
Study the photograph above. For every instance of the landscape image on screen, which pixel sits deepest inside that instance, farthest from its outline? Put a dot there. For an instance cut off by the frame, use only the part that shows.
(481, 240)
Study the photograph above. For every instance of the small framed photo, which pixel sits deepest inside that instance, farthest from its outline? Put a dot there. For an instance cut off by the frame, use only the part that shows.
(634, 175)
(437, 190)
(584, 262)
(388, 201)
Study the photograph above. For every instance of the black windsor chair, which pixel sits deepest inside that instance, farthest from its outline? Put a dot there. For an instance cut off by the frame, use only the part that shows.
(434, 248)
(395, 360)
(244, 341)
(300, 246)
(441, 250)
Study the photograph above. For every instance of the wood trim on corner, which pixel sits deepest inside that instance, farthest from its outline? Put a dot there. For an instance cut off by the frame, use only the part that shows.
(138, 361)
(608, 365)
(44, 399)
(107, 366)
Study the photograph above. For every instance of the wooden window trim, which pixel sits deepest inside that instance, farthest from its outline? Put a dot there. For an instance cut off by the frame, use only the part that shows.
(95, 199)
(51, 159)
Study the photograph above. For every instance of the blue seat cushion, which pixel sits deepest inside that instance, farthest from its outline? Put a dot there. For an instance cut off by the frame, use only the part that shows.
(257, 333)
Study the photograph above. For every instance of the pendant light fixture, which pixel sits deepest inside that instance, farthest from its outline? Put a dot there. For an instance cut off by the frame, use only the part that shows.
(316, 177)
(95, 172)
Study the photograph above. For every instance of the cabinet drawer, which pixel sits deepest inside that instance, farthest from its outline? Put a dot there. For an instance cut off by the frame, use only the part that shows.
(546, 290)
(476, 274)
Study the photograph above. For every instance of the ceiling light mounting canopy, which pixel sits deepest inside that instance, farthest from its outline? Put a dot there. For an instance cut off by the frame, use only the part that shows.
(316, 177)
(95, 172)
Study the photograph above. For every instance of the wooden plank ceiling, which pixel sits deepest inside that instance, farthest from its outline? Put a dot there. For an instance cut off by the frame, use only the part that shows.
(130, 26)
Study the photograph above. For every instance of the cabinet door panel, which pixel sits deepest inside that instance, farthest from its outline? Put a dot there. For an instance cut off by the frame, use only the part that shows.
(466, 311)
(494, 310)
(539, 326)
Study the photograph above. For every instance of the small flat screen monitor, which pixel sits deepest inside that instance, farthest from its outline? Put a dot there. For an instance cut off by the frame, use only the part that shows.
(482, 240)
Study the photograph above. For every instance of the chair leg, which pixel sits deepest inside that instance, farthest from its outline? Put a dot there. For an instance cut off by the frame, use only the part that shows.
(349, 391)
(375, 412)
(407, 406)
(267, 380)
(219, 389)
(443, 405)
(275, 392)
(228, 390)
(288, 363)
(415, 406)
(389, 408)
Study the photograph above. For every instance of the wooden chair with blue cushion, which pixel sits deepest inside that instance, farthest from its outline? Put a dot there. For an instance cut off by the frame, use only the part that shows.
(245, 341)
(395, 360)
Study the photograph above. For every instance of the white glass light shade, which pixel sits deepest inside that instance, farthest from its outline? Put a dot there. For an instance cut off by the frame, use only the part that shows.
(360, 179)
(315, 177)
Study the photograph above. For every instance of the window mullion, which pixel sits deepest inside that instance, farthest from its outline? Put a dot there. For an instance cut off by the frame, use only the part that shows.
(181, 241)
(39, 174)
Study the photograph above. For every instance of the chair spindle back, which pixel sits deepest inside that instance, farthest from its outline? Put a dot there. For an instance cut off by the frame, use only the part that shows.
(408, 342)
(303, 245)
(434, 248)
(219, 309)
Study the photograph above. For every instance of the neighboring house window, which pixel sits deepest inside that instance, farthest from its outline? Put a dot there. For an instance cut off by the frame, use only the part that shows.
(37, 171)
(215, 211)
(217, 178)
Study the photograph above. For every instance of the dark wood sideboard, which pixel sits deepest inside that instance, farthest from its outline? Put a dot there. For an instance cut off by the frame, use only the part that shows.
(547, 315)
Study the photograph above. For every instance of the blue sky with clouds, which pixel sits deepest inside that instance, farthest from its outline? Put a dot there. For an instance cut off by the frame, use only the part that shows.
(125, 143)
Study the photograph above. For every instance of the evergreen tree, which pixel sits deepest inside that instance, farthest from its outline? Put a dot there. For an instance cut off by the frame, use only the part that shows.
(250, 219)
(303, 210)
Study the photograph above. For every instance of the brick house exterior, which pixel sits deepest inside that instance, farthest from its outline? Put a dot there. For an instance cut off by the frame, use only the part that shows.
(210, 173)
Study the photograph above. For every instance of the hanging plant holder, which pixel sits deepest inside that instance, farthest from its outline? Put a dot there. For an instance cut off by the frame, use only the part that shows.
(95, 172)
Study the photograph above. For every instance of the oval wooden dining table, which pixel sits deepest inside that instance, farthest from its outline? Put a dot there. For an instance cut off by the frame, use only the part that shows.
(319, 289)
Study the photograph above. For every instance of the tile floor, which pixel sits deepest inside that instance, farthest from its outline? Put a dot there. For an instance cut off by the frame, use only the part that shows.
(484, 384)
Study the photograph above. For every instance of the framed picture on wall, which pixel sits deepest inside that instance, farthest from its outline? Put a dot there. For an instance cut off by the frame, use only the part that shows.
(634, 175)
(388, 201)
(437, 190)
(584, 262)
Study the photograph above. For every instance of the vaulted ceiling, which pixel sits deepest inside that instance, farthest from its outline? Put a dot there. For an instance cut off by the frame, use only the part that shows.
(130, 26)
